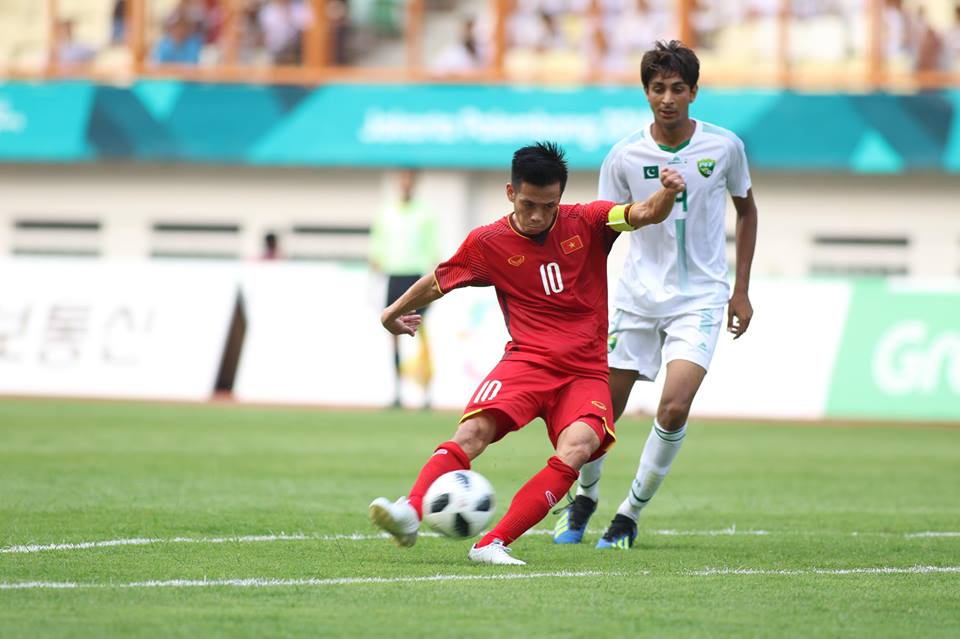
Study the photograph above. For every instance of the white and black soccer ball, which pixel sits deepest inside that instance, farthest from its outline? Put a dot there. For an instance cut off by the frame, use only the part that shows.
(459, 504)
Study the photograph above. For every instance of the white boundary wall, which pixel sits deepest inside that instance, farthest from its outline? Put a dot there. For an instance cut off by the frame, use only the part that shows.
(157, 330)
(113, 329)
(128, 199)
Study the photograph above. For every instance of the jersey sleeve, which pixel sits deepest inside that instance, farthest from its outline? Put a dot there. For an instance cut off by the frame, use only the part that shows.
(738, 173)
(613, 183)
(467, 267)
(606, 218)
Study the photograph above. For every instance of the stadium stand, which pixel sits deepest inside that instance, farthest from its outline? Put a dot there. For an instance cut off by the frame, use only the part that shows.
(809, 43)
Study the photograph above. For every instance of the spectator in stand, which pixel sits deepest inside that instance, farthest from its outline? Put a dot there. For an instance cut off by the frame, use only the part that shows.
(193, 12)
(250, 37)
(603, 53)
(929, 44)
(180, 44)
(626, 27)
(71, 53)
(118, 22)
(338, 23)
(896, 25)
(951, 42)
(538, 30)
(551, 35)
(462, 57)
(283, 23)
(214, 16)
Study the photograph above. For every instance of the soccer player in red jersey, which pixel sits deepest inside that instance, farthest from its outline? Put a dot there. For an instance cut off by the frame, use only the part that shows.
(548, 264)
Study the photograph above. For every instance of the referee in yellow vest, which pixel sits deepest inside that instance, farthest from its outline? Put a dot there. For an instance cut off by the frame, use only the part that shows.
(404, 246)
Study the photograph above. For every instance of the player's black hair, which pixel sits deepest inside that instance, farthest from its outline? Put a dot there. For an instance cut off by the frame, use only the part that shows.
(540, 164)
(670, 58)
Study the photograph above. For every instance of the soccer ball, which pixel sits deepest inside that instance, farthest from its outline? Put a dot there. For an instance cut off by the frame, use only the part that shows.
(459, 504)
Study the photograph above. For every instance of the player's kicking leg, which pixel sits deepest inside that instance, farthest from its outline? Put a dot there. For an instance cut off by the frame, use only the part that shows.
(401, 519)
(575, 445)
(572, 524)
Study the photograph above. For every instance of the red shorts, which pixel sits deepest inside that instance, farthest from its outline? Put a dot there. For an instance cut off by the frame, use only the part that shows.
(518, 392)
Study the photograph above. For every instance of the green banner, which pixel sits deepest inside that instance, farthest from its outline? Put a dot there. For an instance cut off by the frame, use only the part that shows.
(900, 354)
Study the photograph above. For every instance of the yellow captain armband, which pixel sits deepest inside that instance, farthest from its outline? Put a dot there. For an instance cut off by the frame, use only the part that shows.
(617, 218)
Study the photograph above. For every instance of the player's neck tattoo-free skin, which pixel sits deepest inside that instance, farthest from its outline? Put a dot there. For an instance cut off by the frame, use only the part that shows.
(670, 98)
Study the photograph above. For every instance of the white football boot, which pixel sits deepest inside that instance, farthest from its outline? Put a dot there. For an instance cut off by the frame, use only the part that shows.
(494, 553)
(398, 518)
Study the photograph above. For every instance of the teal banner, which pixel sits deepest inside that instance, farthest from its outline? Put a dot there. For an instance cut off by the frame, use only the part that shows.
(463, 126)
(45, 122)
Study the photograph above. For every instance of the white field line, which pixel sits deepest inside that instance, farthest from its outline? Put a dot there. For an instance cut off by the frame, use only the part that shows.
(885, 570)
(145, 541)
(261, 582)
(732, 530)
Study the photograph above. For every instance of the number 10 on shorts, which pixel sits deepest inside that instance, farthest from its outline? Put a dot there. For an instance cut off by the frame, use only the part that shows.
(550, 275)
(488, 390)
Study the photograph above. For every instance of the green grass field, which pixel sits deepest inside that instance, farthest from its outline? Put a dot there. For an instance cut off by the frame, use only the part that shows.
(790, 507)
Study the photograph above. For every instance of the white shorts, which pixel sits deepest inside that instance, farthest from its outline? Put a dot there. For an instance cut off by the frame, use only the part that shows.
(636, 342)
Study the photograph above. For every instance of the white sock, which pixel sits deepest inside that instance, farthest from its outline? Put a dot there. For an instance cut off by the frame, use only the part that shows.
(658, 453)
(589, 485)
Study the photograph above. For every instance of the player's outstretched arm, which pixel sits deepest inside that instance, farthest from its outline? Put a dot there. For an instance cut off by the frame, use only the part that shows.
(740, 311)
(399, 318)
(657, 207)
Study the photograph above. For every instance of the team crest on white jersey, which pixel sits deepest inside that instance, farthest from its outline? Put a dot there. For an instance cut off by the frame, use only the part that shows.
(706, 166)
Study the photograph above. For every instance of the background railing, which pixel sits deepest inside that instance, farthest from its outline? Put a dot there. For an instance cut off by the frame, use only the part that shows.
(811, 44)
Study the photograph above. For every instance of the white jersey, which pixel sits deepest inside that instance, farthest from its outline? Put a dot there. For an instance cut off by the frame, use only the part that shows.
(679, 265)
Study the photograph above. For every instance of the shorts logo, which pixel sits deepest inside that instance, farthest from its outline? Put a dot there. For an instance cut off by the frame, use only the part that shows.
(651, 172)
(551, 499)
(488, 390)
(571, 245)
(706, 166)
(599, 405)
(442, 451)
(516, 260)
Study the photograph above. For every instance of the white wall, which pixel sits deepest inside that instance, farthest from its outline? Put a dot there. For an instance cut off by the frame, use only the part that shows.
(128, 199)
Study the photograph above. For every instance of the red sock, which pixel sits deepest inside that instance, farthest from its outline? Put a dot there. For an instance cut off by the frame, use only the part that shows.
(447, 458)
(533, 501)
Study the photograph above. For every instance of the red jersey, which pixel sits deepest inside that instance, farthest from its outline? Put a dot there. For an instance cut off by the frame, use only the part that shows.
(552, 287)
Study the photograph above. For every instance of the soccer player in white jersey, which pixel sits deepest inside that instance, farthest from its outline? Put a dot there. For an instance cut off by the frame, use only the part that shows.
(670, 299)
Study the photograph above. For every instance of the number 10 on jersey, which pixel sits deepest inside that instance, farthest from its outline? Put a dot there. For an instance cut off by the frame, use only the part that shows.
(550, 275)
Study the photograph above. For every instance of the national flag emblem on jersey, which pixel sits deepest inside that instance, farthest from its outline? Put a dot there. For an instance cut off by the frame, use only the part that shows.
(706, 166)
(571, 245)
(651, 172)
